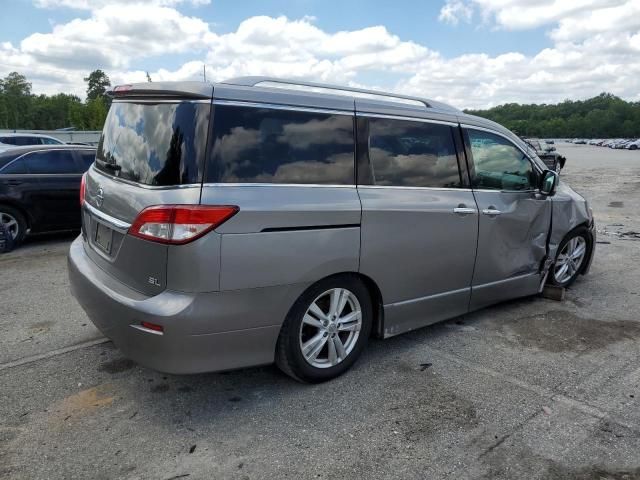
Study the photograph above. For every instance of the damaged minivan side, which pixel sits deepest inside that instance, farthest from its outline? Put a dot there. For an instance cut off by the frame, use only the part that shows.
(259, 220)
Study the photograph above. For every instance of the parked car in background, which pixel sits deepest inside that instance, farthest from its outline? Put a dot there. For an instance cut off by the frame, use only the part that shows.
(552, 159)
(22, 139)
(625, 144)
(39, 187)
(633, 145)
(290, 224)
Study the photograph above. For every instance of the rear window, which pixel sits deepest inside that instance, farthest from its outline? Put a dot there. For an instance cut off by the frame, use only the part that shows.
(264, 145)
(154, 143)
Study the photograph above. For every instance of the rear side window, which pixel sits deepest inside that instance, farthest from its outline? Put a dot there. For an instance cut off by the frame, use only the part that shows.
(49, 141)
(155, 143)
(261, 145)
(412, 154)
(87, 159)
(52, 162)
(15, 168)
(21, 141)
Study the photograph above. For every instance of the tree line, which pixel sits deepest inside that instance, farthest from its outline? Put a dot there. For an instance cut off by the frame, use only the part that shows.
(604, 116)
(21, 109)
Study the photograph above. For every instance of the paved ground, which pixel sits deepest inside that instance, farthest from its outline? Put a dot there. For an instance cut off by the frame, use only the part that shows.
(528, 389)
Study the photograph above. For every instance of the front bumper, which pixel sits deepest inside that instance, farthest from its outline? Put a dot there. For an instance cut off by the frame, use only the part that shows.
(203, 332)
(592, 231)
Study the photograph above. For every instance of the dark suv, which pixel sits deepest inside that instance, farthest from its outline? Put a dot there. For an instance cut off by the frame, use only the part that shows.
(40, 186)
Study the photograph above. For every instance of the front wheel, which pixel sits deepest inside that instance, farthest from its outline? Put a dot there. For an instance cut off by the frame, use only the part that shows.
(573, 253)
(326, 330)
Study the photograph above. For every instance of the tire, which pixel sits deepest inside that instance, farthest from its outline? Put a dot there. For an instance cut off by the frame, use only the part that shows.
(565, 277)
(328, 331)
(633, 147)
(15, 222)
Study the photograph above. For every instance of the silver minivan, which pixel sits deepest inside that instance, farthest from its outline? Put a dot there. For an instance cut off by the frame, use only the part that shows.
(259, 220)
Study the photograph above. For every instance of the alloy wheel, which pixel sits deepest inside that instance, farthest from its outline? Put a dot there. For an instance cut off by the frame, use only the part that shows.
(330, 328)
(570, 259)
(11, 224)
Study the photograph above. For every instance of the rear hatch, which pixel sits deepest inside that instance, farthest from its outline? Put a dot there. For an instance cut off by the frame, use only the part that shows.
(151, 152)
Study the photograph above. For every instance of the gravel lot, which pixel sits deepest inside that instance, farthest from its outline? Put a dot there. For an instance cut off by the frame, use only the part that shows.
(528, 389)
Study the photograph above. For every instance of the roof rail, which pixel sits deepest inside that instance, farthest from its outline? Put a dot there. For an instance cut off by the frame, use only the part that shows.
(253, 81)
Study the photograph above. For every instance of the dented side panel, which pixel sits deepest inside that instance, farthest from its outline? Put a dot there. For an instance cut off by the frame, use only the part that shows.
(512, 245)
(570, 210)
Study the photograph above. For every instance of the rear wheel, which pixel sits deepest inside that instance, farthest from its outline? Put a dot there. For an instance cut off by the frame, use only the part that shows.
(573, 253)
(14, 222)
(326, 330)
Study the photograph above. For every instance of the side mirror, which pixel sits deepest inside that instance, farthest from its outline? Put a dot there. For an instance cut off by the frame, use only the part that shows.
(549, 183)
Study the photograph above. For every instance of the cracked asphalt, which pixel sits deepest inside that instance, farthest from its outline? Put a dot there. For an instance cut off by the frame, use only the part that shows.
(532, 388)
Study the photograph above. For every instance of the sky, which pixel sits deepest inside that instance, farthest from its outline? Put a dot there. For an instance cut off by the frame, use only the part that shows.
(468, 53)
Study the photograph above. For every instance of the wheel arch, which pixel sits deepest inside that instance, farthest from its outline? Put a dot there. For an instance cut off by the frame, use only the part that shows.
(585, 266)
(377, 329)
(19, 208)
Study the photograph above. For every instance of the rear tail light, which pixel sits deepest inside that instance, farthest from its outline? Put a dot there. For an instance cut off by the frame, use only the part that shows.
(152, 326)
(83, 183)
(179, 224)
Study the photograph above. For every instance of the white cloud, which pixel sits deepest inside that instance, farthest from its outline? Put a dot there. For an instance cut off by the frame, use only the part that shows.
(455, 11)
(594, 48)
(523, 14)
(115, 35)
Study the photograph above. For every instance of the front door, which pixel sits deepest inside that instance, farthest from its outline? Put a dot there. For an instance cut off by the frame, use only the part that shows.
(514, 219)
(419, 221)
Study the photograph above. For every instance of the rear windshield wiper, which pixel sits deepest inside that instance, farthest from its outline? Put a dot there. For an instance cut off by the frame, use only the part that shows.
(112, 166)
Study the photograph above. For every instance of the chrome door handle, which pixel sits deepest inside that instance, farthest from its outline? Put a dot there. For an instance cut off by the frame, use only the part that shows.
(464, 210)
(491, 211)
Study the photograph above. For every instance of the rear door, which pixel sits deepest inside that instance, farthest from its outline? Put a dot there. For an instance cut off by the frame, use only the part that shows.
(514, 218)
(419, 219)
(151, 152)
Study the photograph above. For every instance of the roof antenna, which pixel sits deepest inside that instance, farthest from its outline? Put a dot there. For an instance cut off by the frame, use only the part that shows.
(204, 72)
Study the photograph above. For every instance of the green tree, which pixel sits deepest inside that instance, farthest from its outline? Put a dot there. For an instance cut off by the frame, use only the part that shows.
(97, 83)
(16, 91)
(603, 116)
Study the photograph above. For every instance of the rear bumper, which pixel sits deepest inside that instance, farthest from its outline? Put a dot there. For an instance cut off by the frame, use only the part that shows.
(203, 332)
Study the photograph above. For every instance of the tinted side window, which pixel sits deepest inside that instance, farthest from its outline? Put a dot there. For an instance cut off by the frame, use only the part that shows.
(25, 141)
(412, 154)
(260, 145)
(87, 159)
(53, 161)
(498, 164)
(9, 140)
(17, 167)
